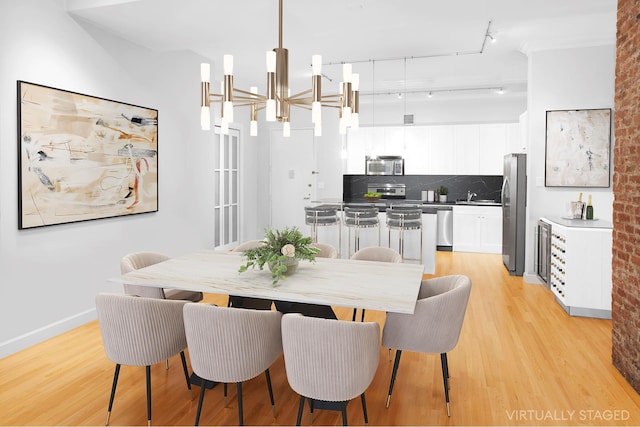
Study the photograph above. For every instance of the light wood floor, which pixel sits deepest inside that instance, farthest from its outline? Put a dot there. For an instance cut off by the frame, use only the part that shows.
(521, 360)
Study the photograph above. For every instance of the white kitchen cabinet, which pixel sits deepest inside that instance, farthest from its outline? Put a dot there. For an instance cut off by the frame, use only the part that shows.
(440, 151)
(492, 147)
(416, 153)
(477, 229)
(466, 148)
(581, 267)
(473, 149)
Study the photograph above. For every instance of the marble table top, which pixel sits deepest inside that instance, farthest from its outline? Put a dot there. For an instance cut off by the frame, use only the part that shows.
(339, 282)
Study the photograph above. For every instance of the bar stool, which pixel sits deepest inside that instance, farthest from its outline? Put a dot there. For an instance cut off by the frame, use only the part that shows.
(358, 217)
(405, 218)
(322, 216)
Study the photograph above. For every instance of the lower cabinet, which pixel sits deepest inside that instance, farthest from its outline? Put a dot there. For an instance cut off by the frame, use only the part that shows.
(580, 275)
(477, 229)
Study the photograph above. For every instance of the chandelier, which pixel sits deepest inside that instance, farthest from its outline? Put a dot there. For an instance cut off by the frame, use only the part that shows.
(277, 101)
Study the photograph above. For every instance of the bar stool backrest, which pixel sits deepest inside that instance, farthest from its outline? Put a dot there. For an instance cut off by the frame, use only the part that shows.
(321, 215)
(361, 216)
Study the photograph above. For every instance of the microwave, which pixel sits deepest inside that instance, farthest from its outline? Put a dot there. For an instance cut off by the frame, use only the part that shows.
(384, 165)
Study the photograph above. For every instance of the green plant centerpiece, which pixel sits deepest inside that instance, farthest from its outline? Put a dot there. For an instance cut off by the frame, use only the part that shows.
(444, 190)
(281, 251)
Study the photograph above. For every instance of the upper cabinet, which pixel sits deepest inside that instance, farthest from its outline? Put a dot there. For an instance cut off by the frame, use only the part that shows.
(473, 149)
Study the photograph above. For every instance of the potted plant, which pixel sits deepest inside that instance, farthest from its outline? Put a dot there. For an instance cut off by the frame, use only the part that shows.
(443, 193)
(372, 197)
(281, 251)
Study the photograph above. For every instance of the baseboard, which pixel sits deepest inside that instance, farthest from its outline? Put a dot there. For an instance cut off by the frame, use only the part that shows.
(36, 336)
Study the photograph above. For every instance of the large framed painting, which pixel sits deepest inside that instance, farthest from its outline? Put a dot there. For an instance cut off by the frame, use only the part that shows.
(82, 158)
(578, 148)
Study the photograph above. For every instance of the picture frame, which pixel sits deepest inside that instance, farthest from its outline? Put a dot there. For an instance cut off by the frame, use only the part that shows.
(578, 148)
(82, 157)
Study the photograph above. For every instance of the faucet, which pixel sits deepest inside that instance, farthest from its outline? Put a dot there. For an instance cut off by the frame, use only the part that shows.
(470, 195)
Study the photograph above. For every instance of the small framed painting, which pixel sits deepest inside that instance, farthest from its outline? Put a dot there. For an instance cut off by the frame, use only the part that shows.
(578, 148)
(81, 157)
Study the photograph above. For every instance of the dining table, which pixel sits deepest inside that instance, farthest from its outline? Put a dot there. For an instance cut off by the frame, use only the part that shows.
(370, 285)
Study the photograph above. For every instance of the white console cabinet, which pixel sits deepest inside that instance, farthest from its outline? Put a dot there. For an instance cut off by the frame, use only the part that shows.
(581, 266)
(477, 229)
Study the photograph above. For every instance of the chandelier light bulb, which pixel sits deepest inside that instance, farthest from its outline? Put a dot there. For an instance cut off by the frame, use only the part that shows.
(286, 129)
(355, 81)
(355, 121)
(317, 129)
(316, 65)
(227, 111)
(316, 112)
(205, 118)
(205, 72)
(228, 65)
(270, 110)
(224, 127)
(271, 62)
(346, 72)
(253, 128)
(342, 127)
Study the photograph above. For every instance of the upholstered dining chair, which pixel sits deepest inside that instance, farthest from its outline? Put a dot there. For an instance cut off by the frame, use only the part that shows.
(248, 302)
(140, 332)
(434, 327)
(313, 310)
(231, 346)
(137, 260)
(329, 362)
(326, 251)
(375, 253)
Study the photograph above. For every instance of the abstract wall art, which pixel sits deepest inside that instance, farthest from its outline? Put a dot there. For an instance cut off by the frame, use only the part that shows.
(578, 147)
(82, 157)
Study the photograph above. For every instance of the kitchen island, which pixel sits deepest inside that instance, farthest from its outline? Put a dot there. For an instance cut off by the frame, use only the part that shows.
(369, 237)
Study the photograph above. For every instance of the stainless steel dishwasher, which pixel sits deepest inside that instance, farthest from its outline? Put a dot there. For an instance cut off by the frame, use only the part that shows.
(445, 228)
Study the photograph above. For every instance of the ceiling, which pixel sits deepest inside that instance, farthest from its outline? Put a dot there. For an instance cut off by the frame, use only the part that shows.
(399, 46)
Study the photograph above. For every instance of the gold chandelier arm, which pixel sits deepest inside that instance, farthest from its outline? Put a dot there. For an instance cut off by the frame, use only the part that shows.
(300, 101)
(300, 94)
(250, 94)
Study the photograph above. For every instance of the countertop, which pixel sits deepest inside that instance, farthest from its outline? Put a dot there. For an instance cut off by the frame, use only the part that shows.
(382, 204)
(580, 223)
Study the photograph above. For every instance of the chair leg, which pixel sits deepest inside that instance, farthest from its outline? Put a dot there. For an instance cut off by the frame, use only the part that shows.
(240, 418)
(186, 373)
(203, 387)
(166, 364)
(364, 408)
(396, 363)
(148, 370)
(273, 402)
(445, 379)
(362, 317)
(113, 392)
(300, 409)
(311, 403)
(353, 318)
(344, 413)
(224, 393)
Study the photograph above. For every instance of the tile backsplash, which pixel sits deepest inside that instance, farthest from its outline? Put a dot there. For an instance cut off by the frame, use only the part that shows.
(487, 187)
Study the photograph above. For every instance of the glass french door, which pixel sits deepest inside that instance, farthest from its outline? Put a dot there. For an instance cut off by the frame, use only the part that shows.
(225, 174)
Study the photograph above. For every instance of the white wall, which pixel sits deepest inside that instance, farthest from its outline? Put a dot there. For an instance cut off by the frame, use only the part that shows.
(563, 79)
(51, 275)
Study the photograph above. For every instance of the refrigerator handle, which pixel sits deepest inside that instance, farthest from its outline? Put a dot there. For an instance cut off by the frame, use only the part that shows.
(504, 185)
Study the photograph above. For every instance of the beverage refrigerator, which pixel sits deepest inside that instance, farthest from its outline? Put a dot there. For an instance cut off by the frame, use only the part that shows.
(514, 197)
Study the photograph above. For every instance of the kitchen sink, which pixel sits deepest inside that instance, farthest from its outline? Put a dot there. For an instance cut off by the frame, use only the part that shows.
(478, 202)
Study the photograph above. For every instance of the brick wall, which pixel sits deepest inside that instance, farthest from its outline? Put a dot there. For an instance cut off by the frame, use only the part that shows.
(626, 188)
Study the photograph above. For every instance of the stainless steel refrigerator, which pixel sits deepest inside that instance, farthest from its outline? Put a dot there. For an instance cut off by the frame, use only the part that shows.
(514, 199)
